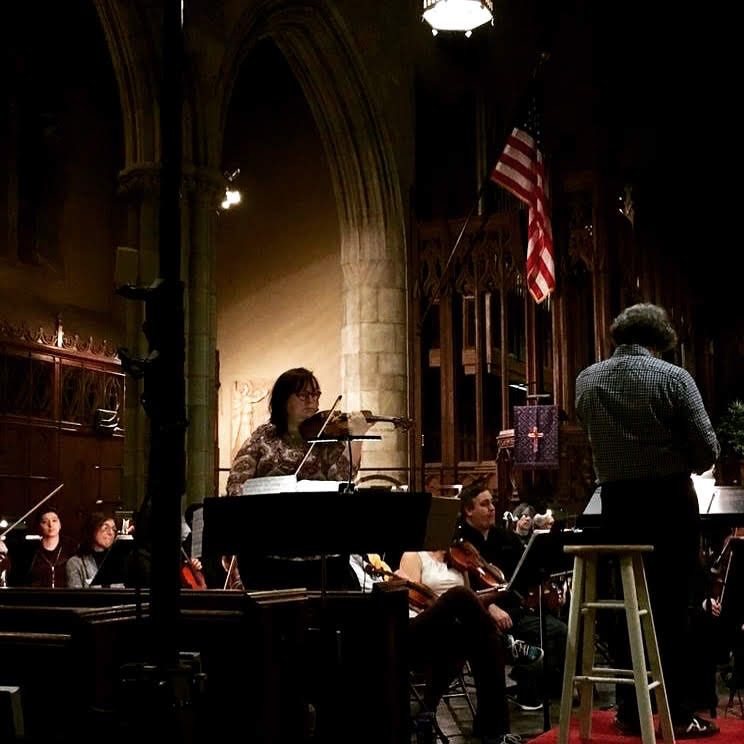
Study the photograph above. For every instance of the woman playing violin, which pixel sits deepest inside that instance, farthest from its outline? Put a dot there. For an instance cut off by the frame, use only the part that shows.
(278, 447)
(457, 627)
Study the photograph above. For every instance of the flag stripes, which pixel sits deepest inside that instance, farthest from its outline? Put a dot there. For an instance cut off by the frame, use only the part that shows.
(520, 169)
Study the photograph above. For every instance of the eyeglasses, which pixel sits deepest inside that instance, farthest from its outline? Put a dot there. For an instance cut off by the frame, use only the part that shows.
(307, 395)
(108, 528)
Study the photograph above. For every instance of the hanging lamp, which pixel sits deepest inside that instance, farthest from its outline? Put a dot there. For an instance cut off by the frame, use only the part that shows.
(457, 15)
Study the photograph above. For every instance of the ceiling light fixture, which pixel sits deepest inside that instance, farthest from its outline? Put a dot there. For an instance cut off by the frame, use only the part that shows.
(457, 15)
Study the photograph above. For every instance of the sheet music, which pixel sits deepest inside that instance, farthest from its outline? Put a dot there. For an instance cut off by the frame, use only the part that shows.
(318, 485)
(197, 532)
(269, 484)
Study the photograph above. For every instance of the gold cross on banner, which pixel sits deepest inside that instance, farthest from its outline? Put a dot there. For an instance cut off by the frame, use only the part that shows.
(535, 435)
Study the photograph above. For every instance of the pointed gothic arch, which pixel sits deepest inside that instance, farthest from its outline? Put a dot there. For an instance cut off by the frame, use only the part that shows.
(321, 54)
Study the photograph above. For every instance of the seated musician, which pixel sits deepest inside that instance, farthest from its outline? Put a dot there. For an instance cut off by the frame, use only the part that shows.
(458, 626)
(49, 561)
(4, 563)
(278, 448)
(99, 534)
(524, 515)
(503, 548)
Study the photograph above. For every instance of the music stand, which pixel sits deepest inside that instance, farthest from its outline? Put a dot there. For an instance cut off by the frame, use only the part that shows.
(544, 551)
(349, 438)
(724, 507)
(315, 523)
(113, 569)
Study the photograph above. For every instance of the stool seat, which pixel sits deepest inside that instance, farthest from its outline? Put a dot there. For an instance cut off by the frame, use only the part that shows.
(581, 620)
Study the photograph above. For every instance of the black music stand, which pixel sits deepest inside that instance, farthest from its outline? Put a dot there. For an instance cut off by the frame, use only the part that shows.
(318, 523)
(542, 556)
(723, 508)
(348, 486)
(315, 524)
(113, 569)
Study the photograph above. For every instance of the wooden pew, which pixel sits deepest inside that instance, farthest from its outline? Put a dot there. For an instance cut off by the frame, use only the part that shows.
(264, 654)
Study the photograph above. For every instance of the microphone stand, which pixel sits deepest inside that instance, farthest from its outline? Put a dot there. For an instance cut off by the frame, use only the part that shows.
(349, 487)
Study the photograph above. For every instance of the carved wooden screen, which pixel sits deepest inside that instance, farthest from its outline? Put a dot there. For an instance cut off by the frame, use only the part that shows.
(50, 431)
(477, 345)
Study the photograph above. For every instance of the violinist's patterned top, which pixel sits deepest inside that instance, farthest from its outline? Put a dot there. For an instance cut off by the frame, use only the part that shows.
(264, 454)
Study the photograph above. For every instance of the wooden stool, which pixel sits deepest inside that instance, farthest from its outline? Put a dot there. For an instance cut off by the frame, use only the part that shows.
(637, 606)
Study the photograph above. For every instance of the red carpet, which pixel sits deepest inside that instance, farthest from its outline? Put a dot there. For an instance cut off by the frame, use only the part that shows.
(603, 732)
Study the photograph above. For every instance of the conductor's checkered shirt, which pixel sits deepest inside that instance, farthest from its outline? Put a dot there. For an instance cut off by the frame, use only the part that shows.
(644, 417)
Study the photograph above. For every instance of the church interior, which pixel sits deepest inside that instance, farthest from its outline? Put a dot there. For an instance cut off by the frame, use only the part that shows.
(202, 194)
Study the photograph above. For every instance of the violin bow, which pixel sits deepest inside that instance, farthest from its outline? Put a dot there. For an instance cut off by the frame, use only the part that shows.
(32, 509)
(312, 444)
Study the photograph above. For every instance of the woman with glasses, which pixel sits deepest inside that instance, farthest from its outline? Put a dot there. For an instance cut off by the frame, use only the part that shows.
(278, 448)
(98, 536)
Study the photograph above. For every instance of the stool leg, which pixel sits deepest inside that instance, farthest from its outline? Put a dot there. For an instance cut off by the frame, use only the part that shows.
(589, 615)
(569, 670)
(649, 632)
(640, 675)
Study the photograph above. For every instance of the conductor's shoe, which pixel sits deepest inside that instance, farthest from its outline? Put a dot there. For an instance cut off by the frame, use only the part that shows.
(695, 728)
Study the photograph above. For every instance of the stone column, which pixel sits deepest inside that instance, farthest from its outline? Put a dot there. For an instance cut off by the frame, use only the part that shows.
(205, 190)
(140, 186)
(373, 353)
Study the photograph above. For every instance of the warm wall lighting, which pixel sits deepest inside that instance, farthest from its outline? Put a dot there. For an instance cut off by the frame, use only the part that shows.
(231, 198)
(232, 195)
(457, 15)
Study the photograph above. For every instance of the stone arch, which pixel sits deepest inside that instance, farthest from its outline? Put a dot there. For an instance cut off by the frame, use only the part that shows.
(318, 48)
(135, 67)
(321, 54)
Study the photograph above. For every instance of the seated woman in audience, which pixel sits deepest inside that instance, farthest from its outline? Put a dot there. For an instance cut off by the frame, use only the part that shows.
(98, 537)
(49, 560)
(457, 627)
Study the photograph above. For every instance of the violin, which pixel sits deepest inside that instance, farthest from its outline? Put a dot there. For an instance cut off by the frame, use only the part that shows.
(552, 597)
(420, 596)
(465, 557)
(338, 424)
(721, 566)
(191, 578)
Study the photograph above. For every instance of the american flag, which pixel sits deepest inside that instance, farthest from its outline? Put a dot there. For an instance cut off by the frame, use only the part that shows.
(521, 170)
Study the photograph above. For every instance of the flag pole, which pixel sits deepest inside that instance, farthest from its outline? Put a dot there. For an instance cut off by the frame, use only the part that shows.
(442, 279)
(542, 58)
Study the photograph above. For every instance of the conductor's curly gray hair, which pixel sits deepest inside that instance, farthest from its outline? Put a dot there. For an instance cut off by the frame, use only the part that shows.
(644, 324)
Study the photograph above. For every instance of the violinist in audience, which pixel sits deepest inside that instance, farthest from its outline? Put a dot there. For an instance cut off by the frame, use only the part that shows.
(279, 448)
(458, 626)
(49, 560)
(504, 548)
